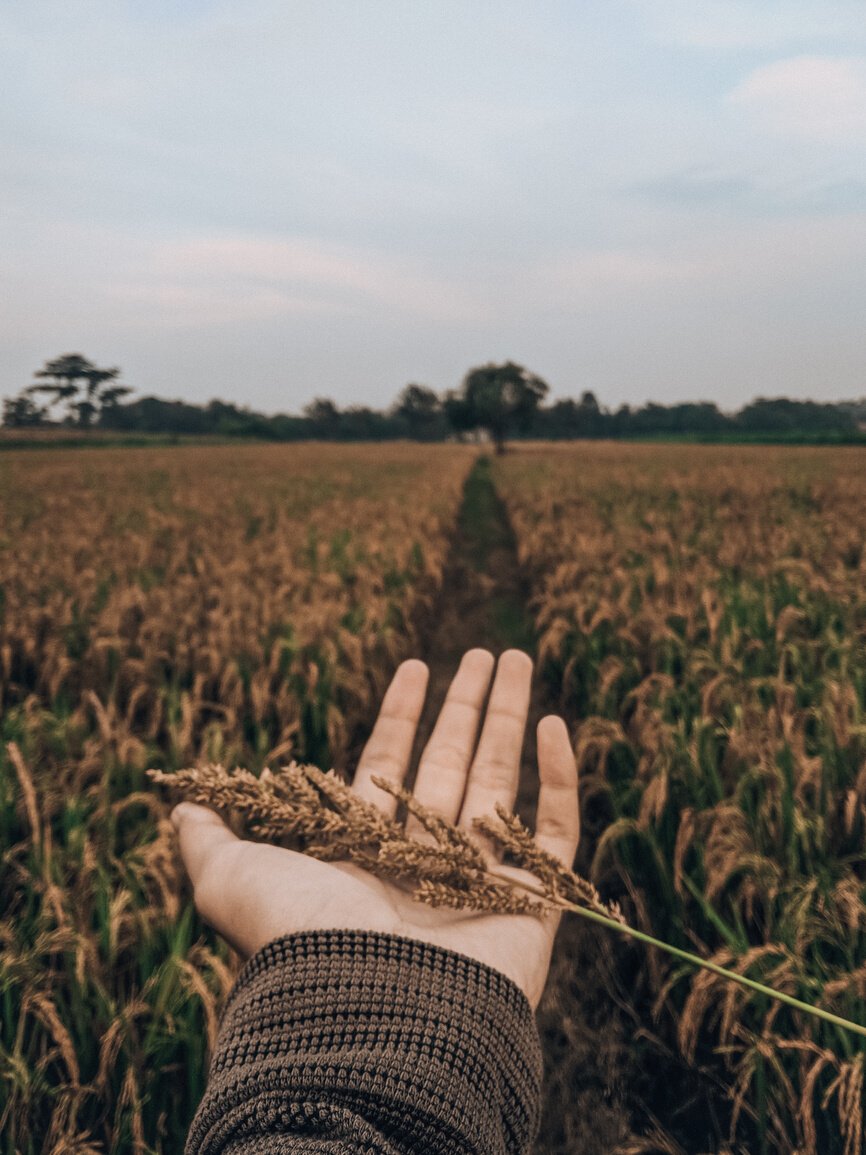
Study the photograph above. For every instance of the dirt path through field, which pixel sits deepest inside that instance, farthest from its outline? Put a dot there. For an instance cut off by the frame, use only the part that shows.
(484, 603)
(602, 1080)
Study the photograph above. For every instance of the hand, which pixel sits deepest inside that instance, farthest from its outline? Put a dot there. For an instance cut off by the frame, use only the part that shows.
(252, 893)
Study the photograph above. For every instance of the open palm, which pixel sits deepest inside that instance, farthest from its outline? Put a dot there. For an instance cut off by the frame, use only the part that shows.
(252, 893)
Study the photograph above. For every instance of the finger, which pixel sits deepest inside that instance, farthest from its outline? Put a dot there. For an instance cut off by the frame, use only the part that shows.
(201, 833)
(557, 824)
(444, 765)
(495, 770)
(389, 747)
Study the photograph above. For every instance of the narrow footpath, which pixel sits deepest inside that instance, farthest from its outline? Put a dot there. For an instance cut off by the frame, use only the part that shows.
(587, 1059)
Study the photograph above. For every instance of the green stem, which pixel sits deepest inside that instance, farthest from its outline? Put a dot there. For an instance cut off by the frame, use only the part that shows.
(693, 959)
(696, 960)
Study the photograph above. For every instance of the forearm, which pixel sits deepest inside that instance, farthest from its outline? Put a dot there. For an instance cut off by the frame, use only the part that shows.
(347, 1040)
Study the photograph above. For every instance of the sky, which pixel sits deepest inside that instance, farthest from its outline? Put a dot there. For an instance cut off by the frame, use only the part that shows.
(268, 201)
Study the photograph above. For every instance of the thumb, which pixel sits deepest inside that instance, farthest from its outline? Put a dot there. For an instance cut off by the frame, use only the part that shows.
(200, 832)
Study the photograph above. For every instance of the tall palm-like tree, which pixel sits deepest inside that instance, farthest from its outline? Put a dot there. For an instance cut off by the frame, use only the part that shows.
(71, 378)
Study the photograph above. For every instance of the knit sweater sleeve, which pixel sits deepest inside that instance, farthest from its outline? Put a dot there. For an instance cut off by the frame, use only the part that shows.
(353, 1041)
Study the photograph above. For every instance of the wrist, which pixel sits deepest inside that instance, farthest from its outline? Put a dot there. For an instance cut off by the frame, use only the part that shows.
(408, 1037)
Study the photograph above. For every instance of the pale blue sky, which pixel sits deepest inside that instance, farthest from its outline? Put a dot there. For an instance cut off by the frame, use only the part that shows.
(266, 200)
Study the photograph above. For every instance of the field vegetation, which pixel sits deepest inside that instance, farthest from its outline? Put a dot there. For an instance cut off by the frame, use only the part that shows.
(701, 616)
(157, 606)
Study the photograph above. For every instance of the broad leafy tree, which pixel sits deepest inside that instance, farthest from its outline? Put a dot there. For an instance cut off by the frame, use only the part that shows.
(420, 408)
(500, 399)
(324, 418)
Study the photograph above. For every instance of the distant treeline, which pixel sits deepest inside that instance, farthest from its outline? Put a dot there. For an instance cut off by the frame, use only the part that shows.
(764, 419)
(499, 401)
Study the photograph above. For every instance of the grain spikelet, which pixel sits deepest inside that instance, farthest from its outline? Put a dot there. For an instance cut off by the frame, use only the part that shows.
(195, 981)
(481, 897)
(109, 1049)
(656, 1142)
(848, 1089)
(852, 811)
(823, 1059)
(728, 844)
(654, 800)
(106, 729)
(789, 618)
(762, 1053)
(712, 693)
(41, 1005)
(782, 977)
(685, 838)
(324, 817)
(699, 1002)
(206, 960)
(596, 737)
(558, 882)
(853, 982)
(847, 902)
(610, 670)
(28, 791)
(130, 1097)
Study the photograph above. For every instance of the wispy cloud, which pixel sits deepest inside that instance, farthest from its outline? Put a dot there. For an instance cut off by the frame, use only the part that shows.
(814, 98)
(736, 25)
(230, 195)
(765, 191)
(699, 187)
(749, 260)
(309, 274)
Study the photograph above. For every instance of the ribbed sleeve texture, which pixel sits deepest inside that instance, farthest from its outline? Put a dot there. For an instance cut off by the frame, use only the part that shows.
(353, 1041)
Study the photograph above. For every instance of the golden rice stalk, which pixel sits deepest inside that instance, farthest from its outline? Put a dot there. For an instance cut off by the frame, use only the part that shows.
(130, 1097)
(561, 885)
(43, 1008)
(109, 1051)
(28, 790)
(806, 1113)
(848, 1089)
(194, 980)
(322, 816)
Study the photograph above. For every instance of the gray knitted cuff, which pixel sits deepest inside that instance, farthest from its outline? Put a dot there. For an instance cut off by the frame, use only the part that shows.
(372, 1042)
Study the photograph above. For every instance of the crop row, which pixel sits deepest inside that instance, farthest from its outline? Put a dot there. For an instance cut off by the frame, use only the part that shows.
(246, 604)
(701, 614)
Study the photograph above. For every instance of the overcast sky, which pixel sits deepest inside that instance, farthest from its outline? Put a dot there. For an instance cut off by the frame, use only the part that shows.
(269, 200)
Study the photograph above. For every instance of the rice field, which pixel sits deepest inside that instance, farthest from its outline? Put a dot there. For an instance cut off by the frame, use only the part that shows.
(157, 606)
(700, 616)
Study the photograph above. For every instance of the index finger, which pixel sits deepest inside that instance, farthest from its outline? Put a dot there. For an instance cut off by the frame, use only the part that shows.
(389, 747)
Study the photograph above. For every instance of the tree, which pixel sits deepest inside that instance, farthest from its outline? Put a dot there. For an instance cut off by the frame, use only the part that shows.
(591, 418)
(83, 386)
(156, 415)
(22, 411)
(782, 415)
(420, 408)
(324, 418)
(500, 399)
(361, 423)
